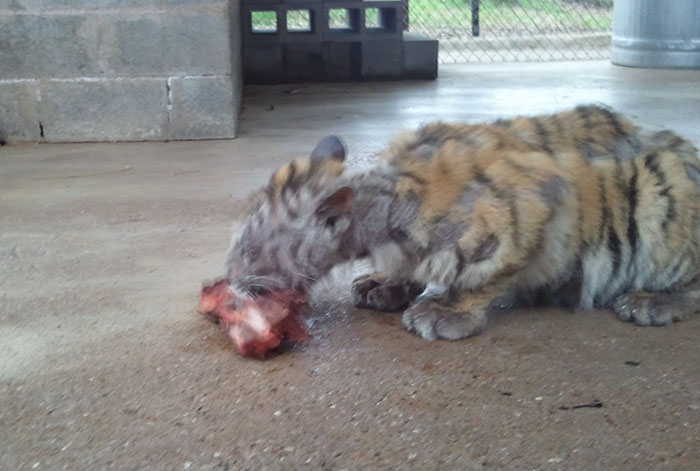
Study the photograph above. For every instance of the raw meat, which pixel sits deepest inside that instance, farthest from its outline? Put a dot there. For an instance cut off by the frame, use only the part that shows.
(257, 326)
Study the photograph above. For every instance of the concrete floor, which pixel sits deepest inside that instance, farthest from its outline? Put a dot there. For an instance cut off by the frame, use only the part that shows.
(104, 363)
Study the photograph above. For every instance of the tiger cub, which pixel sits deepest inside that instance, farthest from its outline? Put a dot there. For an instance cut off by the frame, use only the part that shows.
(580, 208)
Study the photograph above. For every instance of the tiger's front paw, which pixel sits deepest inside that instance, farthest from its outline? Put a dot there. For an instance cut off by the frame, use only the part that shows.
(361, 286)
(645, 308)
(376, 292)
(432, 320)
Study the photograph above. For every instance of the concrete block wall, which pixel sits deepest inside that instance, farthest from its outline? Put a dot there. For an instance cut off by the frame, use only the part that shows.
(119, 70)
(370, 45)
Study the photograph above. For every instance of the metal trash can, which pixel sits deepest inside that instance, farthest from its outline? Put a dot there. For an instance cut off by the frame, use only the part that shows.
(656, 34)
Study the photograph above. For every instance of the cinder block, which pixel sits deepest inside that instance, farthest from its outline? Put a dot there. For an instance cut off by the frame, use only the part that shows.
(19, 112)
(381, 59)
(302, 62)
(235, 39)
(198, 42)
(34, 46)
(202, 108)
(236, 56)
(342, 60)
(391, 18)
(262, 63)
(104, 110)
(137, 45)
(420, 57)
(377, 3)
(48, 5)
(237, 83)
(335, 3)
(167, 3)
(22, 5)
(355, 30)
(192, 42)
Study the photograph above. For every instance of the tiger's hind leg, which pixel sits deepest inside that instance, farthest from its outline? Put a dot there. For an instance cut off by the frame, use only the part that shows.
(378, 292)
(644, 308)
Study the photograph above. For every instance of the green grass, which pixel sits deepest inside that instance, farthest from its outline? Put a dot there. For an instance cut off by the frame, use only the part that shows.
(509, 15)
(263, 21)
(337, 18)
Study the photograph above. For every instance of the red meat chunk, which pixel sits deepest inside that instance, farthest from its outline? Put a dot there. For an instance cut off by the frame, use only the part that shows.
(257, 326)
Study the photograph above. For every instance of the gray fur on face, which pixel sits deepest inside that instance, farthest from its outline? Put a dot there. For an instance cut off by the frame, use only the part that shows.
(286, 246)
(294, 238)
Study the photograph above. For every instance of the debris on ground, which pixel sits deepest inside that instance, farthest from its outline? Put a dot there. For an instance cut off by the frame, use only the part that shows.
(590, 405)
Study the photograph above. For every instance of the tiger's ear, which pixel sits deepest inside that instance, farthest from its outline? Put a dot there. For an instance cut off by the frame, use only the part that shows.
(330, 147)
(336, 204)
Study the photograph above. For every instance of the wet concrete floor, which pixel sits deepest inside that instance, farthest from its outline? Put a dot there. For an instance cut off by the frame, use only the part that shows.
(105, 364)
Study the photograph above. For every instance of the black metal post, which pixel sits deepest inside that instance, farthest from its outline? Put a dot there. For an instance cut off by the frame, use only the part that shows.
(475, 18)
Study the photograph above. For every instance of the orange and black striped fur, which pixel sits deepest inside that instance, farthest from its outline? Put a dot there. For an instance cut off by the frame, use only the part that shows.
(579, 208)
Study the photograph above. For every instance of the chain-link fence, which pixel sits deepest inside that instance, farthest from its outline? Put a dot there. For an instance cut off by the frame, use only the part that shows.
(514, 30)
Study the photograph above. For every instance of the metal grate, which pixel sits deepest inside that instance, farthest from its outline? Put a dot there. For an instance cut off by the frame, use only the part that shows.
(514, 30)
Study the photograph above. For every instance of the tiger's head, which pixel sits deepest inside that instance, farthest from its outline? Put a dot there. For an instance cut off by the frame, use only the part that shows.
(299, 228)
